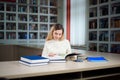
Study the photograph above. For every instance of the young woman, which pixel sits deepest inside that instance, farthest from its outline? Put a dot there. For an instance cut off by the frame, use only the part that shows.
(55, 43)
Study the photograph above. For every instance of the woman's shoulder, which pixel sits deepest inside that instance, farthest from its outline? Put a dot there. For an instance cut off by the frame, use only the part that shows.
(49, 41)
(52, 41)
(65, 40)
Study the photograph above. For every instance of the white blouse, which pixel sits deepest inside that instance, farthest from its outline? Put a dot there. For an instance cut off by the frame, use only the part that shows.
(57, 47)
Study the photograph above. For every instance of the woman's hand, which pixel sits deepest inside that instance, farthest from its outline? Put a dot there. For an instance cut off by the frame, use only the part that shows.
(51, 54)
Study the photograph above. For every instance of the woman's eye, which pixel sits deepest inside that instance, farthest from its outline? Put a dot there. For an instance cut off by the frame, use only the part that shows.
(56, 33)
(60, 34)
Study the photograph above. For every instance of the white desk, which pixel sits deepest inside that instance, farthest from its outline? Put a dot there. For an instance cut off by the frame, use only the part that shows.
(13, 69)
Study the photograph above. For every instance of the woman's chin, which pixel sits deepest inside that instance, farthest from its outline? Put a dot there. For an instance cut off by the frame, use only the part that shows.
(56, 39)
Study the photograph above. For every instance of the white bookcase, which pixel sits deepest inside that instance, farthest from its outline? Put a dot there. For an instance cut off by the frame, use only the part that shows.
(104, 26)
(26, 21)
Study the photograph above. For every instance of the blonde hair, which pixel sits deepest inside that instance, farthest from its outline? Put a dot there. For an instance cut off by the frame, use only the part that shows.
(54, 28)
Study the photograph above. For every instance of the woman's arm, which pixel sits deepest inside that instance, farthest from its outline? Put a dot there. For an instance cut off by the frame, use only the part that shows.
(46, 53)
(68, 51)
(45, 50)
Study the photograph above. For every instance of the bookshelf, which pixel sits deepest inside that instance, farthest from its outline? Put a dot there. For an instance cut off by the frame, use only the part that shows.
(26, 21)
(104, 26)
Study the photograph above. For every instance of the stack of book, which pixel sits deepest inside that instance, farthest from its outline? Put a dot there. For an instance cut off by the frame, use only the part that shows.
(34, 60)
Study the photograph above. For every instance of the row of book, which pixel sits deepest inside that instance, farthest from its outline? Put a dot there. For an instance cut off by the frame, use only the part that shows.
(32, 35)
(93, 24)
(23, 26)
(36, 60)
(116, 8)
(93, 47)
(115, 23)
(1, 35)
(23, 17)
(115, 36)
(115, 48)
(95, 2)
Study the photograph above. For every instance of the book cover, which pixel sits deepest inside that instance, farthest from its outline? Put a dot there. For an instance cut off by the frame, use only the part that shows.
(34, 59)
(33, 64)
(96, 59)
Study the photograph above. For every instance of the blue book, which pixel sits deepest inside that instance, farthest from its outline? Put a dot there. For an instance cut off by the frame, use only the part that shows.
(33, 64)
(96, 59)
(34, 59)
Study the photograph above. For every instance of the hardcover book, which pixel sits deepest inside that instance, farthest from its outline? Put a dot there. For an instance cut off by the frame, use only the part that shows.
(33, 64)
(96, 59)
(34, 59)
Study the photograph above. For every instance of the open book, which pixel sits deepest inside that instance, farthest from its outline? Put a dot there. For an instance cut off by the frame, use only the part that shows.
(57, 58)
(64, 58)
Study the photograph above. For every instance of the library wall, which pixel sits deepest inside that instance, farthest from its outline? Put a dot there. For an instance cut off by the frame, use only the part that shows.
(104, 26)
(27, 21)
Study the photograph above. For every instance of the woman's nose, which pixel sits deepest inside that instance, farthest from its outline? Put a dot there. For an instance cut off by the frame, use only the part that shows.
(57, 35)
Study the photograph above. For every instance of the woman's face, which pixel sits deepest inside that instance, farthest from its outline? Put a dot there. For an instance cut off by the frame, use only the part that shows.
(57, 34)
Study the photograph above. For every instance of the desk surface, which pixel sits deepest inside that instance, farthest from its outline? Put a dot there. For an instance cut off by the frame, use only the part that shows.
(13, 69)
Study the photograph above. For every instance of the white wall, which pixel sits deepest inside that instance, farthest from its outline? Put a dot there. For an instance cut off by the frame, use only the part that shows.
(64, 15)
(78, 22)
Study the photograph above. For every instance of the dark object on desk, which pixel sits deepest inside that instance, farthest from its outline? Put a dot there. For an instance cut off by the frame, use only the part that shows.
(73, 57)
(3, 78)
(78, 60)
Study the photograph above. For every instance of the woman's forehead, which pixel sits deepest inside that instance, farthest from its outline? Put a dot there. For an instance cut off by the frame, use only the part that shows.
(59, 31)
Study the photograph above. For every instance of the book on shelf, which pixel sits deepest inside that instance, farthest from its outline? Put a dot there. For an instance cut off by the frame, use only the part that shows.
(33, 64)
(96, 59)
(115, 48)
(34, 59)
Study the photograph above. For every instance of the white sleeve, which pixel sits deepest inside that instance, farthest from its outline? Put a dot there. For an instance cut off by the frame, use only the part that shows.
(69, 47)
(45, 50)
